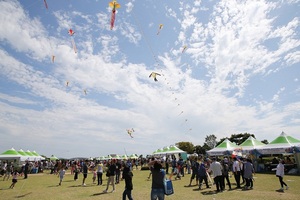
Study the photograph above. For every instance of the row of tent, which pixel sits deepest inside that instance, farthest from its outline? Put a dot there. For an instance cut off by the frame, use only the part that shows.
(12, 154)
(280, 145)
(20, 155)
(172, 149)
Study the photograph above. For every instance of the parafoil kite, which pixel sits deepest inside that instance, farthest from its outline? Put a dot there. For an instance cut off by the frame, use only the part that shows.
(159, 28)
(71, 33)
(153, 75)
(130, 131)
(114, 5)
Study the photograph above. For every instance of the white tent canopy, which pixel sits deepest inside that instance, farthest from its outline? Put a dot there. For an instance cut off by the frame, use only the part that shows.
(250, 144)
(222, 149)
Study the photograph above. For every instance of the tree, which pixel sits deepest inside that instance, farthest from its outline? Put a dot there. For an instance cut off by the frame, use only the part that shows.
(211, 141)
(265, 141)
(201, 149)
(186, 146)
(240, 138)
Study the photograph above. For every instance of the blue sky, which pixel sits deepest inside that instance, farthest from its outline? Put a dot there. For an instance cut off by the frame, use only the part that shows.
(240, 73)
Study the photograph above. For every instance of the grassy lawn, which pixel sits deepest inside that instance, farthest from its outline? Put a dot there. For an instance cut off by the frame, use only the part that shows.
(45, 186)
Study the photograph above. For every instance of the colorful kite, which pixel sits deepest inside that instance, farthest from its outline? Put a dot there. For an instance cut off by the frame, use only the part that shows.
(71, 33)
(114, 5)
(46, 5)
(153, 75)
(159, 28)
(130, 131)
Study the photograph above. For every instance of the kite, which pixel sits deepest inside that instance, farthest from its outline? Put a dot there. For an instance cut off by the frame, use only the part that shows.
(85, 91)
(53, 58)
(153, 75)
(46, 5)
(130, 131)
(159, 28)
(67, 83)
(184, 49)
(71, 33)
(114, 5)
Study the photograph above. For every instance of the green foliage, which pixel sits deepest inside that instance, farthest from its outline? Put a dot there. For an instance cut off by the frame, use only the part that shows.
(265, 141)
(201, 150)
(211, 141)
(186, 146)
(237, 138)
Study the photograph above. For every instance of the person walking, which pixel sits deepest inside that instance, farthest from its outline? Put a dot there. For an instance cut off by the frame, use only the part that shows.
(202, 175)
(225, 173)
(237, 172)
(158, 176)
(99, 172)
(248, 174)
(127, 176)
(26, 169)
(85, 172)
(216, 169)
(62, 172)
(76, 171)
(280, 173)
(112, 174)
(14, 179)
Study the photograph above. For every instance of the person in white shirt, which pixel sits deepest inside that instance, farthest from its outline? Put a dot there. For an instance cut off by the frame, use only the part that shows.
(280, 173)
(237, 172)
(216, 169)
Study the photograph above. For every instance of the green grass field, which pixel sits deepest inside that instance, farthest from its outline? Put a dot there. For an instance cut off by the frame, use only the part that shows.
(45, 186)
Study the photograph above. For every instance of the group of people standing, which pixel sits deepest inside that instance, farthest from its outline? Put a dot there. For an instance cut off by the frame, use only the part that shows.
(220, 170)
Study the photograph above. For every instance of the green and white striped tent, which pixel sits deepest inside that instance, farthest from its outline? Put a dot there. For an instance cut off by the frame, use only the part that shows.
(282, 144)
(250, 144)
(225, 148)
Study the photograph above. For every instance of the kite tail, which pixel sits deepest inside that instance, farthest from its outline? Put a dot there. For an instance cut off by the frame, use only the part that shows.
(112, 20)
(46, 5)
(74, 46)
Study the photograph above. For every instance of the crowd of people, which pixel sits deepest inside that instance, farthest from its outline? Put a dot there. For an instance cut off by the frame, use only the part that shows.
(206, 172)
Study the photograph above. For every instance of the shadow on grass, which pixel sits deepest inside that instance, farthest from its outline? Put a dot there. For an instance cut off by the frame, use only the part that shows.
(211, 192)
(24, 195)
(190, 185)
(280, 191)
(98, 194)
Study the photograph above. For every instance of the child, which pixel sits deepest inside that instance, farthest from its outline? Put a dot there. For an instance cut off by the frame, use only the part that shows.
(94, 175)
(14, 179)
(127, 176)
(61, 174)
